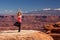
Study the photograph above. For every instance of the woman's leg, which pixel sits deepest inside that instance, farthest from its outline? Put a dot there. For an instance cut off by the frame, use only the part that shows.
(19, 27)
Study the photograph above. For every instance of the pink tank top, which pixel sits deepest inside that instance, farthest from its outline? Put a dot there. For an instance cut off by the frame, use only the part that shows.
(19, 19)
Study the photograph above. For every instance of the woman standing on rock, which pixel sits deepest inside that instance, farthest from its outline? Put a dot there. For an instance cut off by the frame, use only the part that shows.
(19, 20)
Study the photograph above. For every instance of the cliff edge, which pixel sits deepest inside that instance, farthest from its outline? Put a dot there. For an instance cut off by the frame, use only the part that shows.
(24, 35)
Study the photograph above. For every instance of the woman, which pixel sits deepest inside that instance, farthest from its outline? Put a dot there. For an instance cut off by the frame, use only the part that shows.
(19, 20)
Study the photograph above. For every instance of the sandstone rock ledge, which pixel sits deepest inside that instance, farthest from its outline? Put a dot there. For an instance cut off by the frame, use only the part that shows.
(24, 35)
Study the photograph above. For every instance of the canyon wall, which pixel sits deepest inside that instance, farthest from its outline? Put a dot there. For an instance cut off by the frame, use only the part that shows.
(29, 21)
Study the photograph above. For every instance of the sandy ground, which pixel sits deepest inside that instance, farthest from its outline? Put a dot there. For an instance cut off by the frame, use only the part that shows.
(24, 35)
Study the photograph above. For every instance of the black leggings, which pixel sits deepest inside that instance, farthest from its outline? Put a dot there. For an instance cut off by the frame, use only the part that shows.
(18, 24)
(19, 27)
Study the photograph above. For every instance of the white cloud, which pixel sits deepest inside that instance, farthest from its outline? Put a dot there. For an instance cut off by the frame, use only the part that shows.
(51, 9)
(0, 11)
(24, 11)
(10, 11)
(6, 10)
(31, 10)
(47, 9)
(57, 9)
(35, 9)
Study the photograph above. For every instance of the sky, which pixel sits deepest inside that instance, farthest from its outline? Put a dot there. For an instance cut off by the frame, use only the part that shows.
(11, 6)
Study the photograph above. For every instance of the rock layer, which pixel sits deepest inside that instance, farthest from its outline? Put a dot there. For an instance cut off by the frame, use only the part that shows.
(24, 35)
